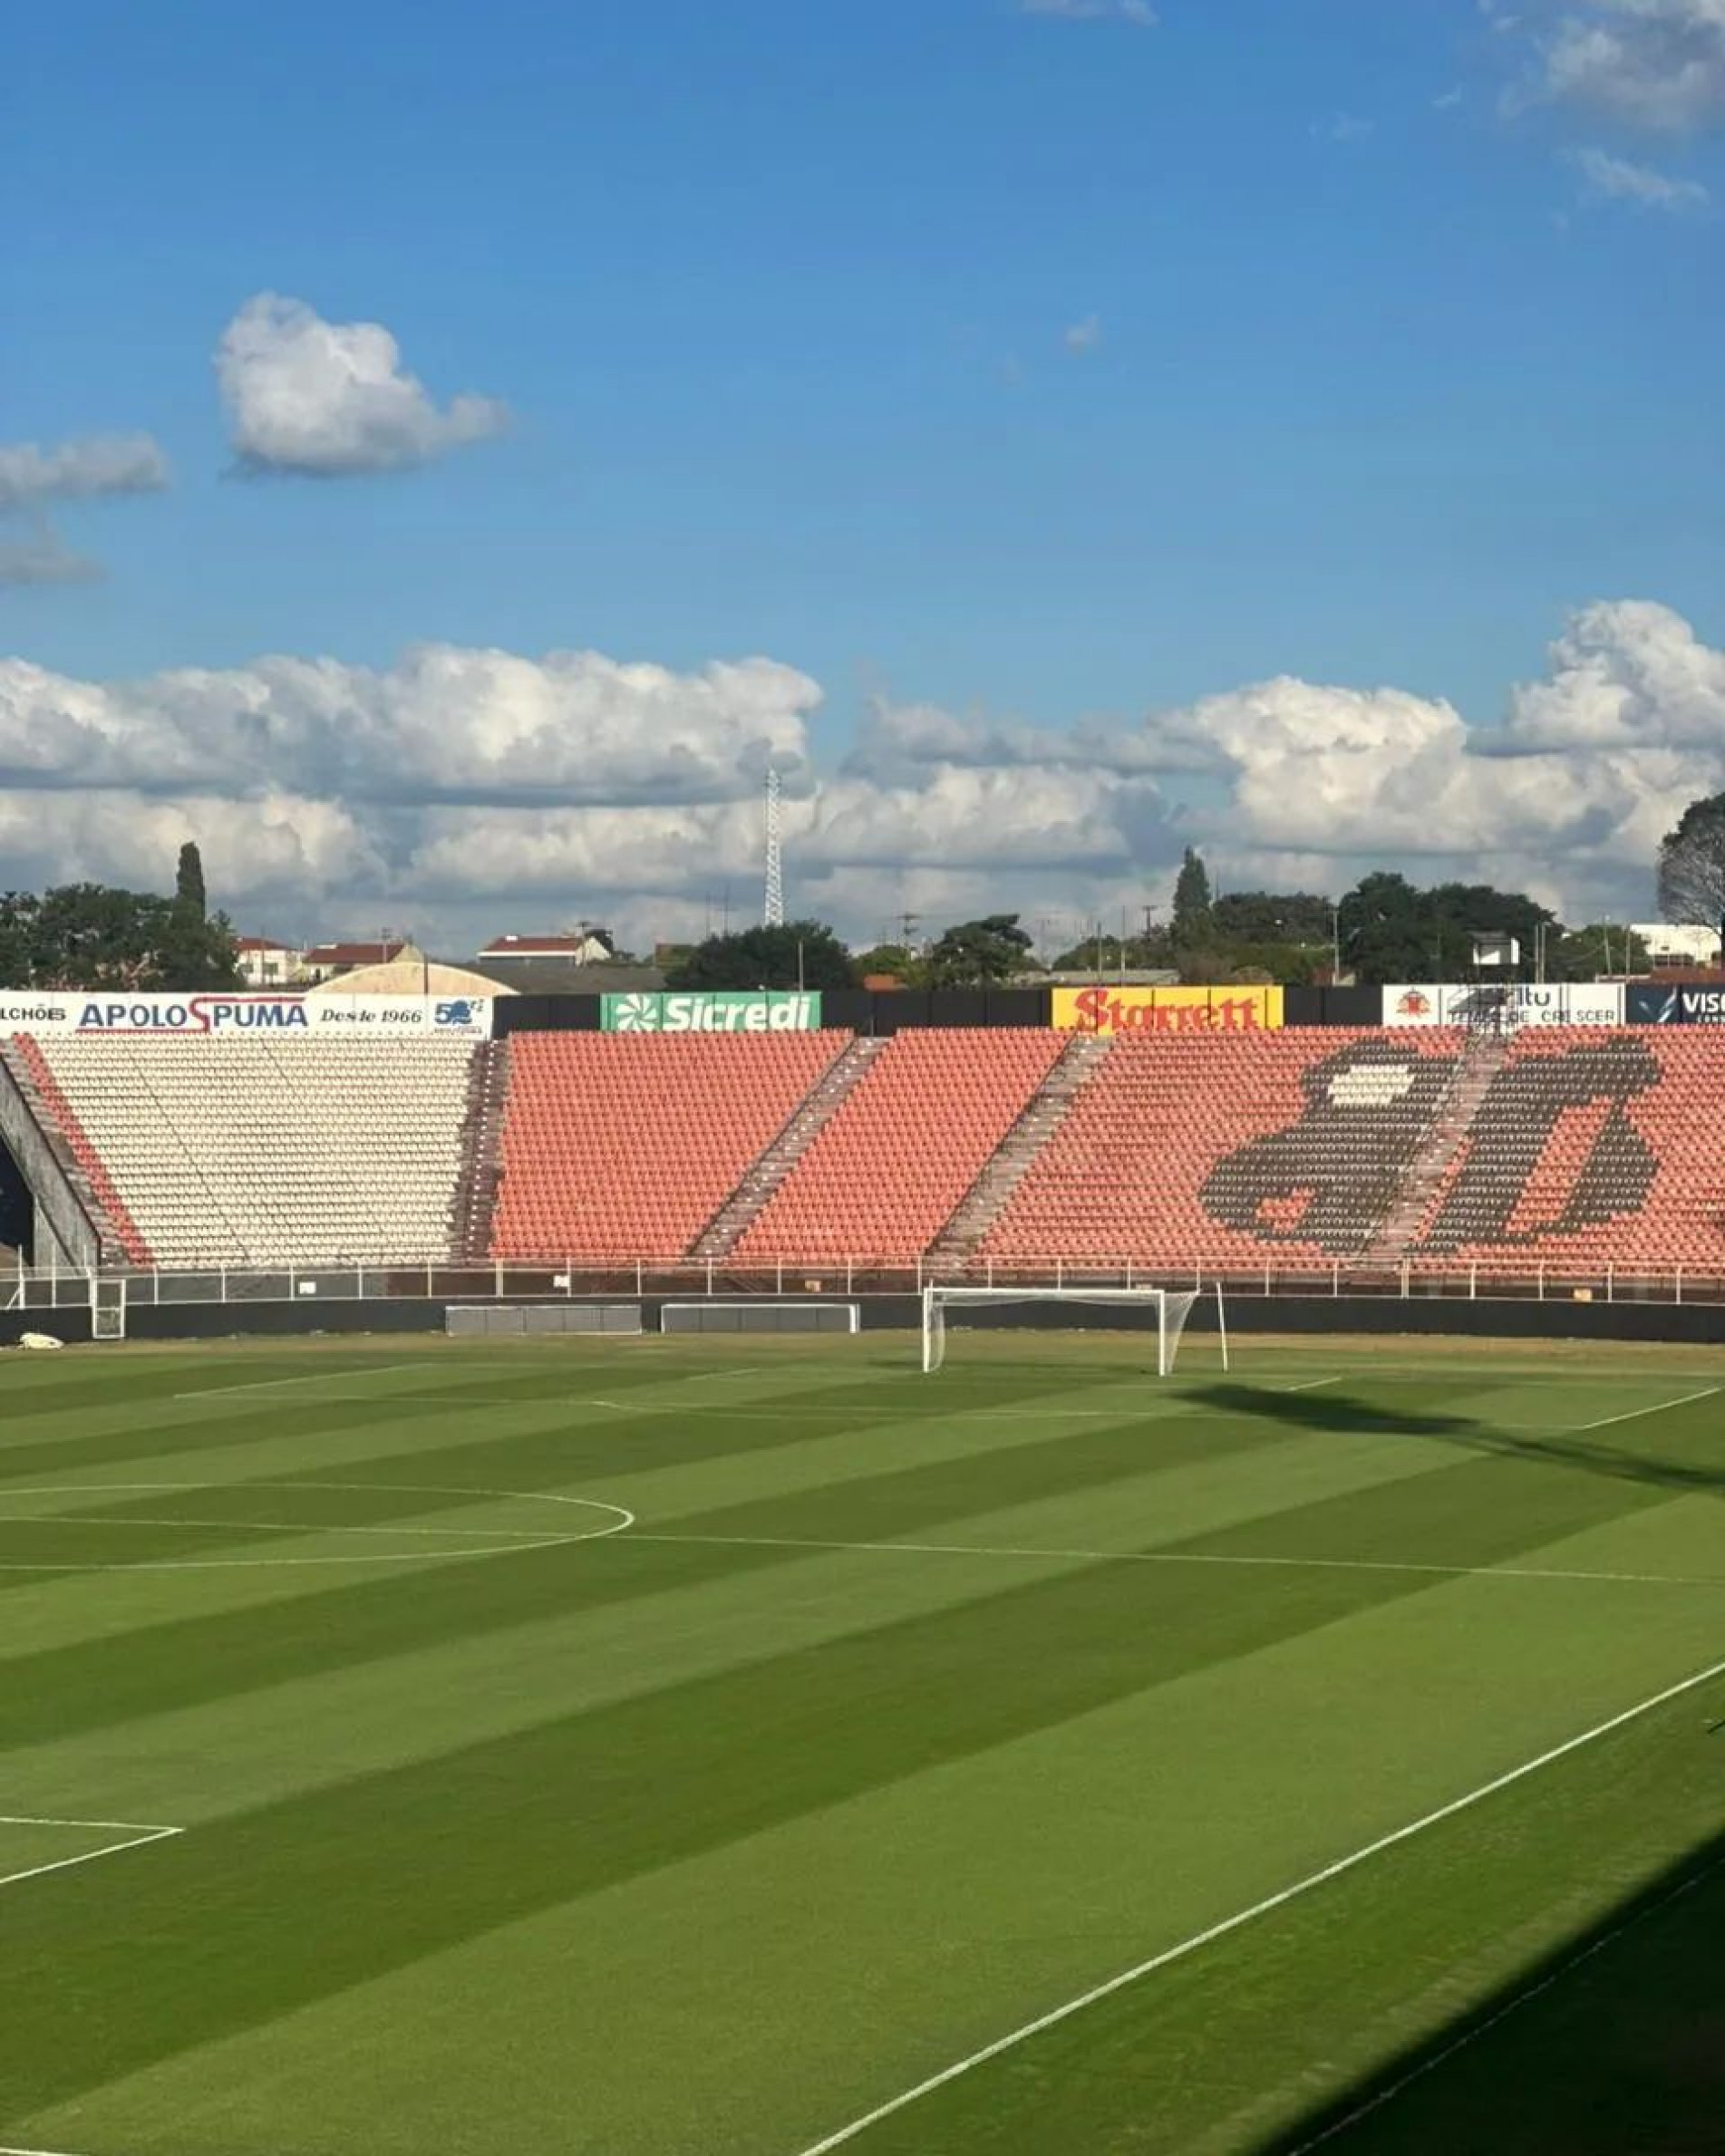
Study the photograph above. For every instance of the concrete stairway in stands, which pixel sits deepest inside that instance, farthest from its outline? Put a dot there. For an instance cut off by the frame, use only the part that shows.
(118, 1241)
(481, 1153)
(1482, 1057)
(1042, 1115)
(722, 1233)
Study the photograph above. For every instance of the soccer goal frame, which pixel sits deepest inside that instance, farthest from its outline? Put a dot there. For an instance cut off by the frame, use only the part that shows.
(1172, 1306)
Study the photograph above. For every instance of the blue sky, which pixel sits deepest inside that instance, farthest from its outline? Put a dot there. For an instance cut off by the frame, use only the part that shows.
(1041, 367)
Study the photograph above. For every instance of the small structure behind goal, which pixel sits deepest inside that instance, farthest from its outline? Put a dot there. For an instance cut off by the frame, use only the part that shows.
(1171, 1309)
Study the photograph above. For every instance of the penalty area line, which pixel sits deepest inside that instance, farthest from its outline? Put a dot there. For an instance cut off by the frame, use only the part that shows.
(139, 1838)
(1314, 1879)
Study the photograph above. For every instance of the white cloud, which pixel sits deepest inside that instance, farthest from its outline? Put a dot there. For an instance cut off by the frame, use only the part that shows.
(329, 399)
(446, 721)
(1137, 12)
(1081, 337)
(1653, 63)
(89, 467)
(1606, 177)
(471, 791)
(44, 557)
(80, 470)
(1342, 127)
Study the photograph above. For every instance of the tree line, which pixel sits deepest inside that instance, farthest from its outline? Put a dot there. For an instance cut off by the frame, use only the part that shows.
(1384, 929)
(93, 936)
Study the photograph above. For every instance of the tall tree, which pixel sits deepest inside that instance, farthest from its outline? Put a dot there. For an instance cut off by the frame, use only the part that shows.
(805, 951)
(1193, 912)
(1272, 917)
(1390, 931)
(1692, 865)
(88, 935)
(975, 953)
(189, 880)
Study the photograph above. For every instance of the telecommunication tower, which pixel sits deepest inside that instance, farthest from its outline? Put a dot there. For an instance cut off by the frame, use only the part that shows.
(773, 912)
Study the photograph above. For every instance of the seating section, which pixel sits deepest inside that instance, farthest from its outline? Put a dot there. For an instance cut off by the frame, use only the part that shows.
(887, 1172)
(1567, 1147)
(1601, 1146)
(292, 1151)
(1216, 1150)
(624, 1145)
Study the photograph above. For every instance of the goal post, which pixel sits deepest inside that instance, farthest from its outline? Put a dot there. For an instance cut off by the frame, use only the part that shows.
(1171, 1307)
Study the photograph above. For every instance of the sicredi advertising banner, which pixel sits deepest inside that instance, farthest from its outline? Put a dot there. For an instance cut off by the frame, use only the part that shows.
(1105, 1009)
(702, 1011)
(264, 1017)
(1650, 1005)
(1582, 1003)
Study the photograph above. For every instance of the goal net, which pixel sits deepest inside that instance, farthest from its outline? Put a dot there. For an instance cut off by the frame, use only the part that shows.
(1164, 1310)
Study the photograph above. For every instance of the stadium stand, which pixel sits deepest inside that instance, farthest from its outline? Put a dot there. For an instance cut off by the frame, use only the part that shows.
(626, 1146)
(1019, 1149)
(1202, 1149)
(244, 1152)
(1592, 1145)
(889, 1170)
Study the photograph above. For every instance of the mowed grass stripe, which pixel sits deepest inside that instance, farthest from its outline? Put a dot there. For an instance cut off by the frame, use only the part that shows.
(162, 1667)
(571, 1805)
(165, 1667)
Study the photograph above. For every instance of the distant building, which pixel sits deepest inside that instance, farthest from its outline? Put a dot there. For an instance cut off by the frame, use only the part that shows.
(327, 961)
(583, 946)
(266, 963)
(1671, 944)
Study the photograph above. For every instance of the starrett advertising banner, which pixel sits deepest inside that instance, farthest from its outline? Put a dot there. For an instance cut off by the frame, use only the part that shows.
(700, 1011)
(1105, 1009)
(272, 1018)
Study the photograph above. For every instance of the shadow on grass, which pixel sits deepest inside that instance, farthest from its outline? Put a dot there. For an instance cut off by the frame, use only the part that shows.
(1613, 2044)
(1336, 1411)
(1341, 1412)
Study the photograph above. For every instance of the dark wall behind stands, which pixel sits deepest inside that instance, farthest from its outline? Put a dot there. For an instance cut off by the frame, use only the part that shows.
(862, 1011)
(1383, 1315)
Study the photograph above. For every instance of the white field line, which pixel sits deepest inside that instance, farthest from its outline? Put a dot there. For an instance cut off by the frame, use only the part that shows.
(137, 1837)
(33, 2152)
(623, 1519)
(1311, 1384)
(1605, 1422)
(1513, 2005)
(1321, 1564)
(217, 1392)
(1135, 1974)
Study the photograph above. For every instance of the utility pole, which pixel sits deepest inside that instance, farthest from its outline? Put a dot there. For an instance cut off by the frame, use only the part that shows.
(772, 913)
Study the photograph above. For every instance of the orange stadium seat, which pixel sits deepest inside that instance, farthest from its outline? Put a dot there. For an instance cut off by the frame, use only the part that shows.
(886, 1173)
(624, 1145)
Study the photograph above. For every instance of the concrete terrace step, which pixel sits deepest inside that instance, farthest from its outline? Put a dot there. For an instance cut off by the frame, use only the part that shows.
(761, 1182)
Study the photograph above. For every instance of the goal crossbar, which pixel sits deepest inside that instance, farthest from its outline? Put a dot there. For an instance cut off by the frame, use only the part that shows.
(1172, 1307)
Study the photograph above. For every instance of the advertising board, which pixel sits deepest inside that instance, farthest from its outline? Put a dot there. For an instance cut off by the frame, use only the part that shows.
(701, 1011)
(272, 1017)
(1512, 1006)
(1105, 1009)
(1651, 1005)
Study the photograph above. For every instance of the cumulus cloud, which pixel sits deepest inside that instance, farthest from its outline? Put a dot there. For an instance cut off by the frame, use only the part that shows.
(1085, 336)
(1652, 63)
(88, 467)
(1139, 12)
(445, 722)
(330, 398)
(469, 791)
(80, 470)
(44, 557)
(1342, 127)
(1608, 178)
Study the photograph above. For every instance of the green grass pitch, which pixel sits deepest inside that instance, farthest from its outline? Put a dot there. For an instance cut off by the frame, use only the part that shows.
(752, 1747)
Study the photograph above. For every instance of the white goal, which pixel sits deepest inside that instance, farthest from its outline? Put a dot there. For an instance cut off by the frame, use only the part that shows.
(1171, 1307)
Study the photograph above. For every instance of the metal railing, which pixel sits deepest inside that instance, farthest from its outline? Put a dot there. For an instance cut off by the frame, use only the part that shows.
(439, 1280)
